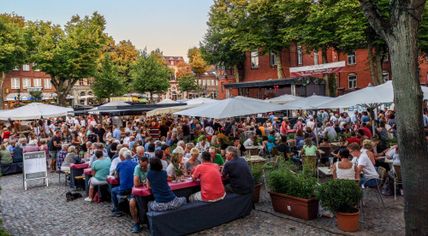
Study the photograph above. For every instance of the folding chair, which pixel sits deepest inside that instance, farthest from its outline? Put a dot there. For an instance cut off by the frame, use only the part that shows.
(397, 179)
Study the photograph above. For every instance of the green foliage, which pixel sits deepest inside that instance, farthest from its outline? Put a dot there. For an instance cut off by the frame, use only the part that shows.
(285, 181)
(423, 31)
(187, 83)
(13, 47)
(257, 171)
(340, 195)
(37, 95)
(150, 75)
(107, 81)
(67, 54)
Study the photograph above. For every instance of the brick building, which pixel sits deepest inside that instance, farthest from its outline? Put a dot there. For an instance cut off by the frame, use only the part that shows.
(207, 81)
(259, 74)
(18, 84)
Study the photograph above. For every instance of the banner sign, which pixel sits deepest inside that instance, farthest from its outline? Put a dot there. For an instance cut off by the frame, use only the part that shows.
(317, 70)
(35, 167)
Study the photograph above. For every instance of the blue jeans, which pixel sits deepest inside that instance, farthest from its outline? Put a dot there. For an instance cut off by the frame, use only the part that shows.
(369, 183)
(117, 191)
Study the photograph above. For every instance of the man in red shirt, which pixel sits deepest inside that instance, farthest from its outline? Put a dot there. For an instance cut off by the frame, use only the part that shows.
(208, 173)
(366, 131)
(5, 134)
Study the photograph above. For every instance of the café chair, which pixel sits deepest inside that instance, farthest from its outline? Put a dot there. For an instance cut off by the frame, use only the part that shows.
(397, 179)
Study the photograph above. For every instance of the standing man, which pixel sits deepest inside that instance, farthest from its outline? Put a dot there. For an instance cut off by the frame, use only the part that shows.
(54, 147)
(238, 172)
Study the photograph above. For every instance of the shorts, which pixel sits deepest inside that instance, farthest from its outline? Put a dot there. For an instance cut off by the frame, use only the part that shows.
(52, 155)
(93, 181)
(198, 197)
(165, 206)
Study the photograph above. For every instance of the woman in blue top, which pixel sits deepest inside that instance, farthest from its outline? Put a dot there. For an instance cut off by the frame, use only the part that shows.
(165, 199)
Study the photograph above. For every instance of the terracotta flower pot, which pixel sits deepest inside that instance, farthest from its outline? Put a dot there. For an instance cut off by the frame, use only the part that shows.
(348, 222)
(306, 209)
(256, 193)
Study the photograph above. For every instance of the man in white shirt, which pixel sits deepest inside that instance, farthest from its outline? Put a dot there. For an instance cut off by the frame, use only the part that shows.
(249, 142)
(364, 165)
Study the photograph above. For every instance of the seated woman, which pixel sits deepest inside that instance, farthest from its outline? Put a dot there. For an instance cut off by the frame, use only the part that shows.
(175, 166)
(193, 161)
(100, 170)
(325, 146)
(70, 158)
(309, 149)
(165, 199)
(344, 169)
(5, 156)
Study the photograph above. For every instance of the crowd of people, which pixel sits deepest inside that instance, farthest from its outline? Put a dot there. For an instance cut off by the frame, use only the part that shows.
(150, 151)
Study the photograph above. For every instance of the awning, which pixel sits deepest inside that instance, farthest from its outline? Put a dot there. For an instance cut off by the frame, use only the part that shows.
(317, 70)
(18, 96)
(273, 82)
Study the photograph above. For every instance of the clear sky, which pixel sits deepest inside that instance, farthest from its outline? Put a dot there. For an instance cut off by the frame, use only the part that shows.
(171, 25)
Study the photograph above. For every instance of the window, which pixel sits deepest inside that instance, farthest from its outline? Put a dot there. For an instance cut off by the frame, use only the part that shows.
(15, 83)
(254, 60)
(81, 82)
(26, 67)
(315, 57)
(37, 82)
(26, 83)
(299, 55)
(352, 81)
(385, 76)
(47, 83)
(272, 60)
(351, 58)
(16, 68)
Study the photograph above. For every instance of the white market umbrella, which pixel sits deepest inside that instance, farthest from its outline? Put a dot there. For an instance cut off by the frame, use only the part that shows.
(307, 103)
(198, 101)
(34, 111)
(167, 101)
(169, 110)
(369, 96)
(231, 107)
(284, 99)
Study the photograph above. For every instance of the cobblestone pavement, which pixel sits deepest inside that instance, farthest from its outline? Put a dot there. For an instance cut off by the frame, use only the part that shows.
(44, 211)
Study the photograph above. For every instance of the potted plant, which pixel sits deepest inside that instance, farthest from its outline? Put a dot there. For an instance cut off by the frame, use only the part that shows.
(342, 197)
(257, 171)
(293, 194)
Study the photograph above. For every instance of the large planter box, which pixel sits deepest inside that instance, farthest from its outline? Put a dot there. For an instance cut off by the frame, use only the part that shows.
(306, 209)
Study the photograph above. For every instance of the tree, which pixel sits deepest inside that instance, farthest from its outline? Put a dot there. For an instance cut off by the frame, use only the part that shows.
(183, 69)
(13, 47)
(196, 61)
(68, 54)
(150, 75)
(399, 28)
(124, 55)
(219, 44)
(108, 81)
(187, 83)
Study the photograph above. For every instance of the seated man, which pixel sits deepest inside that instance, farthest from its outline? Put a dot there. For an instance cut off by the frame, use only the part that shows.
(216, 158)
(208, 173)
(100, 170)
(140, 175)
(238, 172)
(125, 174)
(364, 165)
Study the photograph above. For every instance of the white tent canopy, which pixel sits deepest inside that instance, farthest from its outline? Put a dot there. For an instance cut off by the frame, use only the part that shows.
(198, 101)
(34, 111)
(167, 101)
(231, 107)
(284, 99)
(307, 103)
(368, 96)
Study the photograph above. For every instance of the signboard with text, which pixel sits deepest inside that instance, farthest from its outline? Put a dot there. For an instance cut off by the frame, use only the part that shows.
(35, 167)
